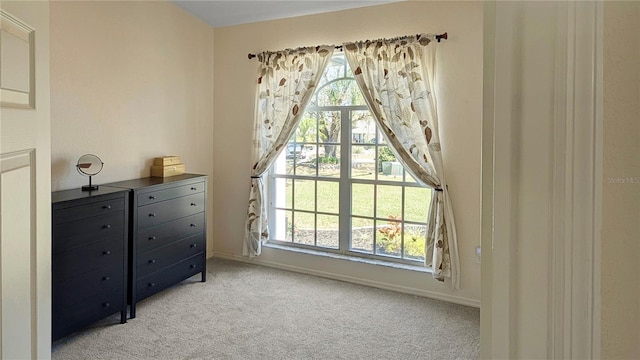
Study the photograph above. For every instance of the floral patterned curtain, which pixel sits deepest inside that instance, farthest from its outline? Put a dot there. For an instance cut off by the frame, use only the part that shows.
(286, 82)
(397, 80)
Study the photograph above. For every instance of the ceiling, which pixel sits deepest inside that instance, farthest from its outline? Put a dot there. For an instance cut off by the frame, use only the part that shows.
(225, 13)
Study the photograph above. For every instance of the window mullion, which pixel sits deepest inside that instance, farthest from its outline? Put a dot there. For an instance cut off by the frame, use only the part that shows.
(345, 186)
(315, 212)
(271, 210)
(293, 208)
(375, 193)
(402, 224)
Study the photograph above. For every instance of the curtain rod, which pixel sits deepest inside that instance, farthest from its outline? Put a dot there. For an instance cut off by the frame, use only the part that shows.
(339, 47)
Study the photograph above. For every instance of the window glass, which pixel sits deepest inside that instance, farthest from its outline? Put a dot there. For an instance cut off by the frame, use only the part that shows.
(337, 169)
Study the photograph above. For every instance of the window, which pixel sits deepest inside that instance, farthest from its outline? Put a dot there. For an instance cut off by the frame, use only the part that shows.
(338, 186)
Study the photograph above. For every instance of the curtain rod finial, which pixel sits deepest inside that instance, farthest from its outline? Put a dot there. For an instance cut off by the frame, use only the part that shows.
(442, 36)
(251, 56)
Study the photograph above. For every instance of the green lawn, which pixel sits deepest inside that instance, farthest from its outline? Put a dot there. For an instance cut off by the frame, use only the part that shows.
(389, 204)
(389, 201)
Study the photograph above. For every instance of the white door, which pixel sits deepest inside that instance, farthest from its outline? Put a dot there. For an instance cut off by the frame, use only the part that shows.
(25, 181)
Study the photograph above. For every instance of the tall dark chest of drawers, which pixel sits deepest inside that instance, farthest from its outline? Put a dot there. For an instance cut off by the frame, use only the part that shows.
(89, 257)
(167, 232)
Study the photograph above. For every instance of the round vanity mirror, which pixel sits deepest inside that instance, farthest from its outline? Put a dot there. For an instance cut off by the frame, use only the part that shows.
(89, 165)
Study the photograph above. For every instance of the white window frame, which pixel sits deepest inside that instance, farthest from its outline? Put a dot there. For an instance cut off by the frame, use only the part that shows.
(345, 182)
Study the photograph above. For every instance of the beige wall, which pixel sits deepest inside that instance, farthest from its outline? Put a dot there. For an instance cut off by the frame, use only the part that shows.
(460, 95)
(129, 81)
(620, 289)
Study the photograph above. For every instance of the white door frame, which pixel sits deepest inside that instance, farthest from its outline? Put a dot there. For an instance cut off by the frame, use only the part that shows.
(573, 272)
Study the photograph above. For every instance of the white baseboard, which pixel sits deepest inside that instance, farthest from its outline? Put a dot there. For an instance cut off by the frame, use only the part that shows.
(351, 279)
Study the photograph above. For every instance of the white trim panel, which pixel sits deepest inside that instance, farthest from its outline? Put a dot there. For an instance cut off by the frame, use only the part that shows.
(18, 257)
(11, 97)
(574, 282)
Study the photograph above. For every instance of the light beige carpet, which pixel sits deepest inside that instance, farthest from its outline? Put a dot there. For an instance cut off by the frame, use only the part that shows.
(245, 311)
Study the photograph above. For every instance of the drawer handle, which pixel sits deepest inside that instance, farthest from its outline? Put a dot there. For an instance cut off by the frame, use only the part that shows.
(152, 261)
(152, 238)
(108, 226)
(106, 278)
(152, 284)
(151, 197)
(194, 189)
(194, 245)
(152, 215)
(193, 225)
(193, 204)
(106, 305)
(106, 252)
(107, 207)
(192, 266)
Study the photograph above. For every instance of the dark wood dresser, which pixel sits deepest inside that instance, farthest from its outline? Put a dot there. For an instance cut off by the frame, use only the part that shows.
(167, 232)
(89, 257)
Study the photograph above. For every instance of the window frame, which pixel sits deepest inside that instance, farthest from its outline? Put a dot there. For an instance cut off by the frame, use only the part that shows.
(345, 182)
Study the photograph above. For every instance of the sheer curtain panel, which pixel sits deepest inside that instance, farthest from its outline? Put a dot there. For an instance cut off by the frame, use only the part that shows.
(286, 81)
(397, 79)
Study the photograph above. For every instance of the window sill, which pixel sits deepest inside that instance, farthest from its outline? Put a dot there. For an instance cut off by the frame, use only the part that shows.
(350, 258)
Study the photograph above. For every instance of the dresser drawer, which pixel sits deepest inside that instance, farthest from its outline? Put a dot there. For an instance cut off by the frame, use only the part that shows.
(77, 289)
(89, 311)
(158, 213)
(167, 255)
(170, 193)
(156, 236)
(86, 258)
(88, 210)
(151, 284)
(72, 234)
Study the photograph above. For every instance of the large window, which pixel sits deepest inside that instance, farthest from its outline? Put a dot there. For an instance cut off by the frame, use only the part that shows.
(338, 187)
